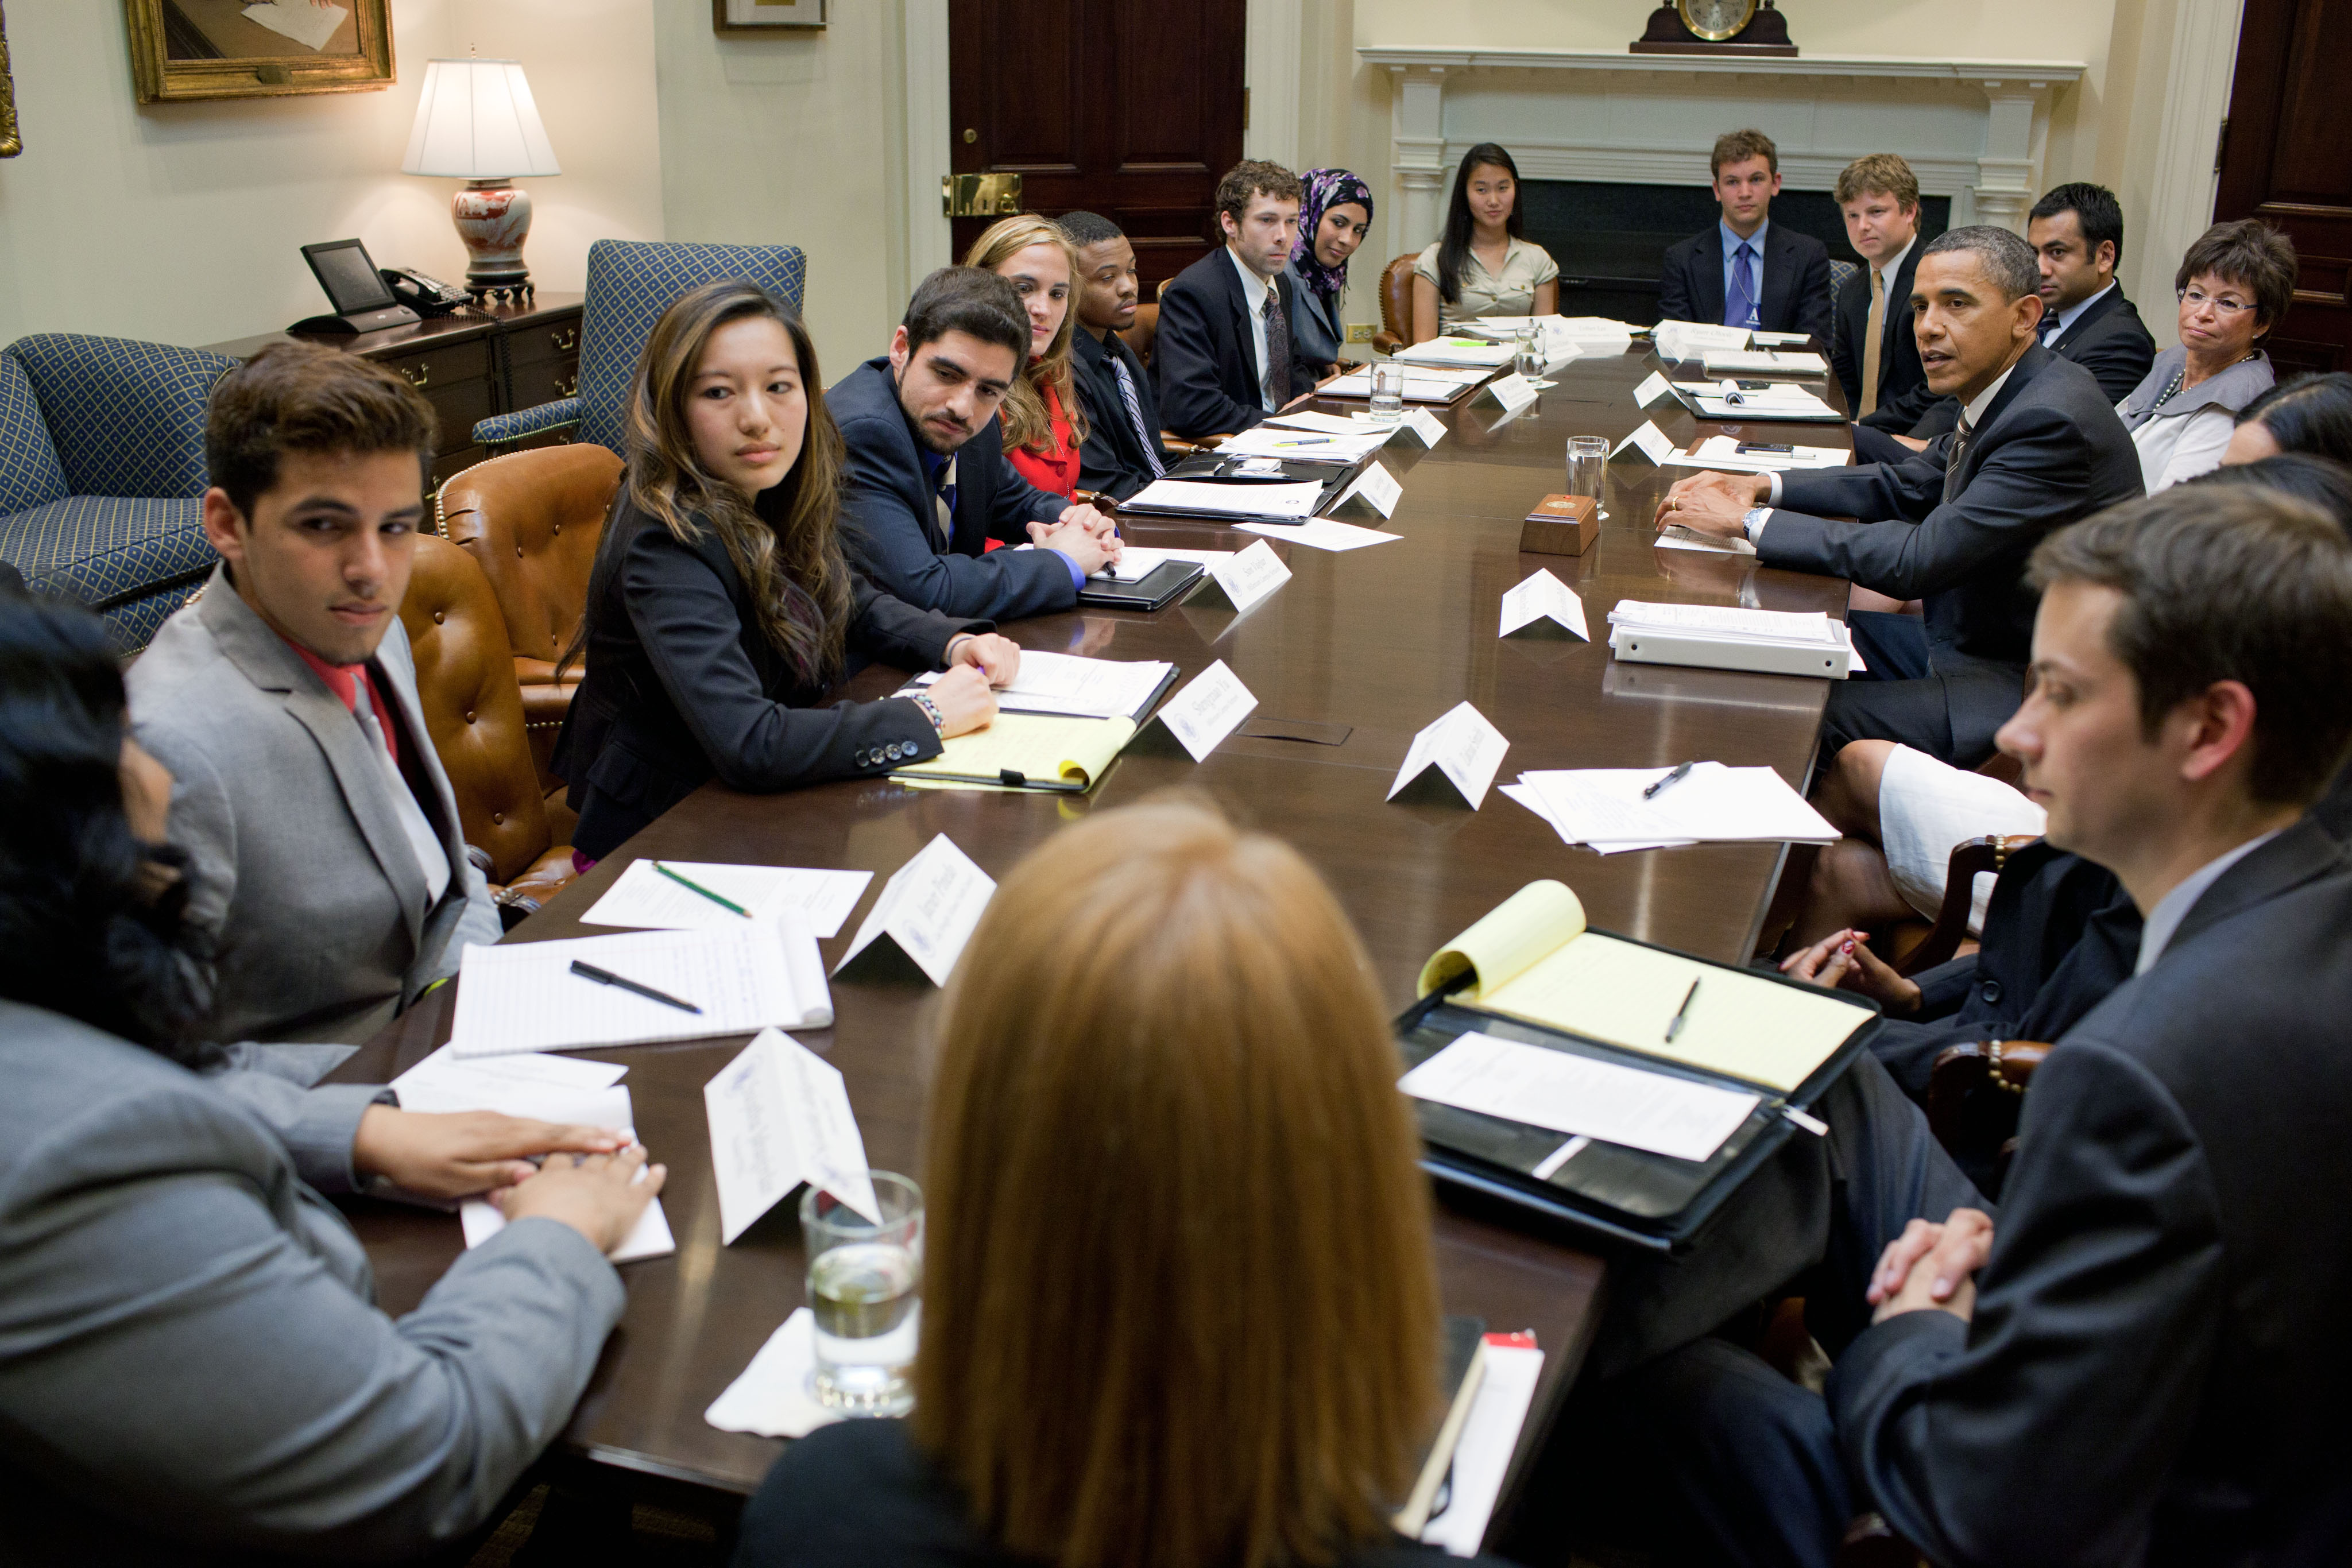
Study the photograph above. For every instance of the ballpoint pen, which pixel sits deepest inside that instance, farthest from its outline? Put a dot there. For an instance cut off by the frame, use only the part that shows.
(1677, 777)
(1317, 440)
(606, 978)
(1675, 1025)
(698, 887)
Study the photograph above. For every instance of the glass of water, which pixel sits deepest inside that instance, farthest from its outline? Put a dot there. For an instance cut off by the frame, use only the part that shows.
(1588, 459)
(1531, 352)
(865, 1289)
(1388, 387)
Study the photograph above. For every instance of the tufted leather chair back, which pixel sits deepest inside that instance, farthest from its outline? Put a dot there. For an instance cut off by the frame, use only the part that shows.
(530, 520)
(465, 680)
(1139, 338)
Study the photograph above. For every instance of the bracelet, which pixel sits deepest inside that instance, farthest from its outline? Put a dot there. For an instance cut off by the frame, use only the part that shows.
(931, 711)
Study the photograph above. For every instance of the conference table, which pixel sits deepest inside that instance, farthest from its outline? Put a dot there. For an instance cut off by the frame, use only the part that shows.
(1352, 657)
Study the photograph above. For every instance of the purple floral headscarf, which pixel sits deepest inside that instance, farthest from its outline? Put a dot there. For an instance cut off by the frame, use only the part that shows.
(1326, 189)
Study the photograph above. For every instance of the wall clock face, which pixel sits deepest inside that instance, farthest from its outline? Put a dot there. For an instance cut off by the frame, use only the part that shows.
(1716, 20)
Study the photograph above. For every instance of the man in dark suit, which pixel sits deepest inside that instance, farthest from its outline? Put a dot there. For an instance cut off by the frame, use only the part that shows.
(926, 490)
(1223, 359)
(1871, 345)
(2039, 448)
(2140, 1359)
(1745, 271)
(1122, 451)
(2077, 234)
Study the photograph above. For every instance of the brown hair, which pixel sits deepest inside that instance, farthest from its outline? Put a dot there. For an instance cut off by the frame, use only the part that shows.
(1875, 174)
(1027, 422)
(299, 397)
(785, 544)
(1255, 177)
(2228, 583)
(1738, 147)
(1180, 1308)
(2252, 254)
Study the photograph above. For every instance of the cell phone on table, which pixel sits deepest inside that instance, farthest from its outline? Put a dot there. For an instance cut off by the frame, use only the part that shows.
(1782, 448)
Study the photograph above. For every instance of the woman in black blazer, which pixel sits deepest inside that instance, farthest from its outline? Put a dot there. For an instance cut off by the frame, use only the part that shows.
(720, 609)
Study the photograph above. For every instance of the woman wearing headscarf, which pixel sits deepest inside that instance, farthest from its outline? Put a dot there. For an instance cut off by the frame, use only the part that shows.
(1331, 224)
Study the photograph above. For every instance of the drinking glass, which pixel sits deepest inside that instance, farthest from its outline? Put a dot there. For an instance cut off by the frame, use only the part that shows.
(1531, 352)
(1388, 388)
(1587, 458)
(865, 1285)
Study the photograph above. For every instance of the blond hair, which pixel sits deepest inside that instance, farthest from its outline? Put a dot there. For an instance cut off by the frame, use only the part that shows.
(1027, 424)
(1179, 1306)
(1878, 174)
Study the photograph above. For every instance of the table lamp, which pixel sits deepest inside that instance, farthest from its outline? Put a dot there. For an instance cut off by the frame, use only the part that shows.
(476, 121)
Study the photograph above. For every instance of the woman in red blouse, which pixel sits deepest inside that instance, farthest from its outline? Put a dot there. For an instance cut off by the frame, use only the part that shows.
(1043, 424)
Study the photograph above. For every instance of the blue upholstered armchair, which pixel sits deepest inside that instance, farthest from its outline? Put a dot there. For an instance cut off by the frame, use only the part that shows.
(102, 473)
(630, 284)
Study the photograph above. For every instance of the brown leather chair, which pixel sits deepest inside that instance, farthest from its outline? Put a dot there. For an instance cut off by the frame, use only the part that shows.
(1396, 305)
(530, 520)
(473, 710)
(1139, 338)
(1970, 857)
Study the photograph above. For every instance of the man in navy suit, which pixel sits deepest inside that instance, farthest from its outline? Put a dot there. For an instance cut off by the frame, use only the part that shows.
(1223, 359)
(926, 488)
(1745, 271)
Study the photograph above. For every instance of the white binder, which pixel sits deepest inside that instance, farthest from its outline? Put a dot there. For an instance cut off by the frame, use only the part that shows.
(1646, 645)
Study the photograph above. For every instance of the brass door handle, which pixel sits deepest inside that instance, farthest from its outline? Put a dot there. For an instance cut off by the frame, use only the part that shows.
(979, 195)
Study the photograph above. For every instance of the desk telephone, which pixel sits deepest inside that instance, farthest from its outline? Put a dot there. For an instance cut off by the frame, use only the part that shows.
(421, 292)
(367, 298)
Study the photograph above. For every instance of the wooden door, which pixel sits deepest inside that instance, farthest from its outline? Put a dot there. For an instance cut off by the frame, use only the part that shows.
(1132, 108)
(2287, 160)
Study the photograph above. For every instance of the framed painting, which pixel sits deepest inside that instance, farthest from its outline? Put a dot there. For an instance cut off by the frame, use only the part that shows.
(10, 142)
(257, 48)
(765, 15)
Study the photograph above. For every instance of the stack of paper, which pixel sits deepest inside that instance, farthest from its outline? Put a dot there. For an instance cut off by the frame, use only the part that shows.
(1307, 446)
(1066, 684)
(1690, 339)
(1763, 362)
(1197, 497)
(1026, 751)
(1565, 337)
(1357, 422)
(1722, 454)
(1782, 400)
(1605, 807)
(674, 896)
(1730, 623)
(1467, 352)
(1423, 383)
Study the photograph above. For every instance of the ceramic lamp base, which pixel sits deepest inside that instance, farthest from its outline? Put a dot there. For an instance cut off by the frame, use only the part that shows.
(493, 219)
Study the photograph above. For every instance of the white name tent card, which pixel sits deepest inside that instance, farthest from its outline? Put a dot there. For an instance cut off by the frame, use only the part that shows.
(1376, 488)
(780, 1116)
(927, 910)
(1514, 392)
(1690, 339)
(1650, 441)
(1424, 426)
(1241, 581)
(1541, 596)
(1539, 1087)
(744, 976)
(1654, 387)
(1466, 748)
(646, 900)
(1207, 710)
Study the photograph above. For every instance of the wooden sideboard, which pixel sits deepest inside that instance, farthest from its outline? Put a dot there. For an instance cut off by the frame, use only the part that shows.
(479, 362)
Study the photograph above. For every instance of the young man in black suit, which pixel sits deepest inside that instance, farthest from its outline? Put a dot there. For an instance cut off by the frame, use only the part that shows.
(1871, 347)
(926, 488)
(2140, 1358)
(1122, 451)
(1745, 271)
(2038, 448)
(1223, 359)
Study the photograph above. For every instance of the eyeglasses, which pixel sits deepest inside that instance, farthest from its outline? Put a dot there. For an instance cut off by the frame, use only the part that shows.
(2224, 304)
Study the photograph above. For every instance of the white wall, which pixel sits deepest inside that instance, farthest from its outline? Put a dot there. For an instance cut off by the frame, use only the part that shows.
(182, 222)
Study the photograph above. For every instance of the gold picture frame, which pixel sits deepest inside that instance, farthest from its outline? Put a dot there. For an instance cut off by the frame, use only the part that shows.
(11, 143)
(184, 49)
(766, 15)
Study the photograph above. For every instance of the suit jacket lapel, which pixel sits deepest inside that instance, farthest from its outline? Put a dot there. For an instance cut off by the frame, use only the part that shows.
(397, 671)
(2302, 852)
(262, 657)
(1710, 275)
(1898, 308)
(1772, 290)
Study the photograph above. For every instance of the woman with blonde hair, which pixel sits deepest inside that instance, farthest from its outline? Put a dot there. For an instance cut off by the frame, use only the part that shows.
(1044, 425)
(1180, 1308)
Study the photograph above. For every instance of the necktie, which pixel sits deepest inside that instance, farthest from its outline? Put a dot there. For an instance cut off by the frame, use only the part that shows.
(1135, 416)
(1959, 452)
(431, 858)
(1277, 350)
(1873, 331)
(2049, 328)
(943, 504)
(1739, 310)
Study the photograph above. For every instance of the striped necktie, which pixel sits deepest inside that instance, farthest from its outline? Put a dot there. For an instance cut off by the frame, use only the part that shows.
(1960, 439)
(1277, 350)
(1135, 416)
(943, 504)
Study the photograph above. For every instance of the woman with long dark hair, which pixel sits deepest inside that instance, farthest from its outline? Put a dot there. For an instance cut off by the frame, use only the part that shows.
(721, 610)
(1481, 266)
(1332, 222)
(192, 1364)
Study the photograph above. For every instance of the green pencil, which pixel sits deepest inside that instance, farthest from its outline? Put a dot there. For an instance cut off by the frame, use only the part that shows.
(682, 882)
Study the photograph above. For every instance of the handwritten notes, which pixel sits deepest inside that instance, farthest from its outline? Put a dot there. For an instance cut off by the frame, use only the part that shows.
(1206, 711)
(1244, 580)
(1463, 747)
(927, 910)
(1543, 596)
(780, 1116)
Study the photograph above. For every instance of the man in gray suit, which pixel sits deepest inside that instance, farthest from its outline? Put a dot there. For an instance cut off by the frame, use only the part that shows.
(2038, 447)
(328, 863)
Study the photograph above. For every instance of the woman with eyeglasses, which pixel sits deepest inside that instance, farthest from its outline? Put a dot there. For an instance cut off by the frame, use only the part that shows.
(2236, 285)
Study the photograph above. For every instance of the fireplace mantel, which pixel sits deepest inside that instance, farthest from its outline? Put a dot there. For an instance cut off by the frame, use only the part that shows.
(1972, 130)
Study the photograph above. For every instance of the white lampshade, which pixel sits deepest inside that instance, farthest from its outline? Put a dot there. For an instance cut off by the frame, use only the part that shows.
(476, 121)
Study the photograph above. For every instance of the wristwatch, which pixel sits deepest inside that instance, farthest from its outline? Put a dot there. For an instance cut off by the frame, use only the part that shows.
(931, 711)
(1752, 520)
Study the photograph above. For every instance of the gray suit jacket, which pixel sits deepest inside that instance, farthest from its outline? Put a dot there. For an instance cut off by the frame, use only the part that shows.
(191, 1362)
(301, 872)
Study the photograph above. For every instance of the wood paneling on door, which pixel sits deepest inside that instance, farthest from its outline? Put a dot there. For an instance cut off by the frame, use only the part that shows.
(1127, 107)
(2288, 160)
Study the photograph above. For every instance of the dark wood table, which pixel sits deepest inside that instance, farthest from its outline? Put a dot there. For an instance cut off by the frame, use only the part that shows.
(1370, 645)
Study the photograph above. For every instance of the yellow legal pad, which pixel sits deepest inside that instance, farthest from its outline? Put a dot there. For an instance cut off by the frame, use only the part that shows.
(1027, 751)
(1532, 957)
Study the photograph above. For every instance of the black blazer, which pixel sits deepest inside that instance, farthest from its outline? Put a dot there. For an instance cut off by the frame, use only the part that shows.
(1796, 281)
(682, 688)
(1113, 459)
(2108, 340)
(1903, 395)
(2050, 450)
(2156, 1368)
(890, 527)
(1206, 357)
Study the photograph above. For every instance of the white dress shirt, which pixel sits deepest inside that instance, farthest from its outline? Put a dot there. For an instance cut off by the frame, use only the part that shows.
(1259, 292)
(2155, 931)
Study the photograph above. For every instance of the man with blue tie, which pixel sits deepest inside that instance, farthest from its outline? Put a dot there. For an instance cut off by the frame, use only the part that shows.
(1744, 272)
